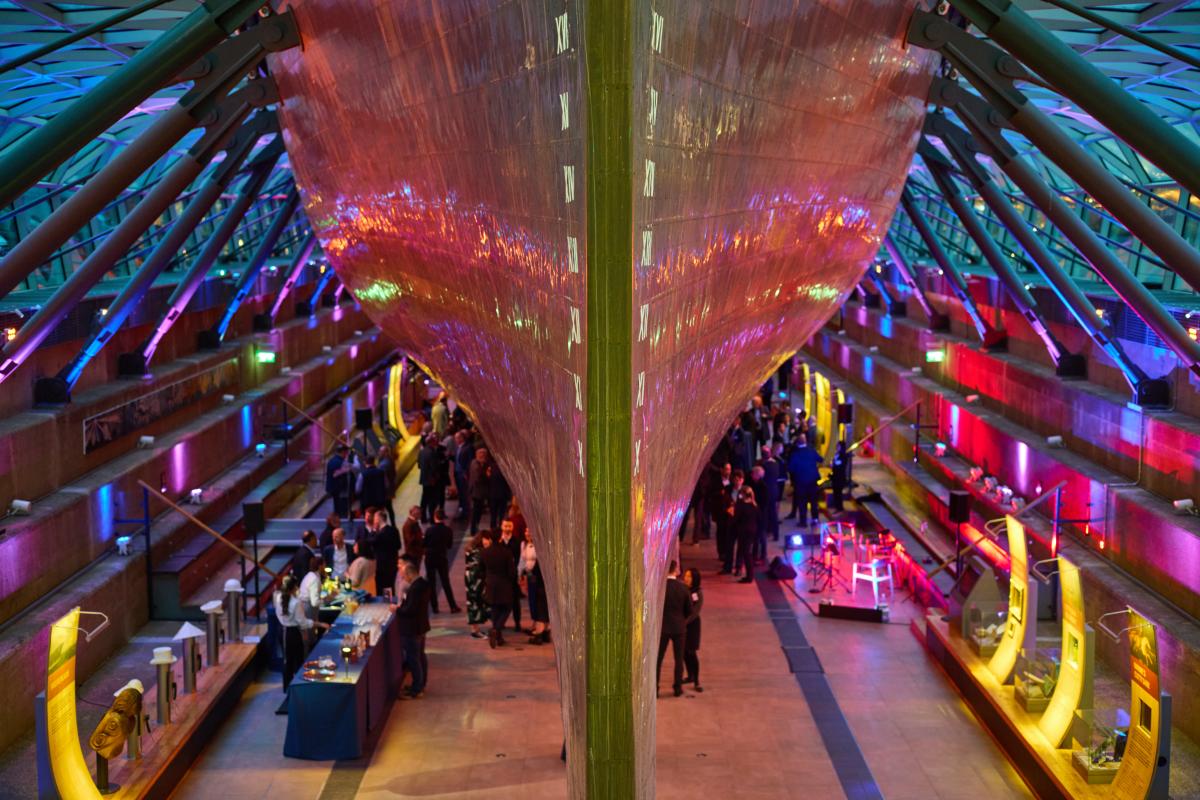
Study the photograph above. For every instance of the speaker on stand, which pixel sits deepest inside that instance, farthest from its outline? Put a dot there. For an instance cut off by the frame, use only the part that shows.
(960, 512)
(254, 521)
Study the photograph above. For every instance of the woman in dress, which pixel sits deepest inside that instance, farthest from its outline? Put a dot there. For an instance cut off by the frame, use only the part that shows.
(535, 588)
(691, 639)
(477, 608)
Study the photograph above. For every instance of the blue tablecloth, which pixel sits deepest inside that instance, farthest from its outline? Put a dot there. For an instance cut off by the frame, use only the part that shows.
(330, 720)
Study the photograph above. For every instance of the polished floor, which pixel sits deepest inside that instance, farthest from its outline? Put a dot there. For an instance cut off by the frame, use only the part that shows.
(488, 725)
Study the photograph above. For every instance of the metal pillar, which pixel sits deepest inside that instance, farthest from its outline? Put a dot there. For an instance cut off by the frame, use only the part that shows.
(1114, 273)
(989, 336)
(315, 301)
(135, 363)
(961, 147)
(894, 307)
(250, 275)
(199, 206)
(118, 241)
(266, 321)
(155, 65)
(1066, 364)
(1070, 73)
(203, 106)
(937, 320)
(986, 67)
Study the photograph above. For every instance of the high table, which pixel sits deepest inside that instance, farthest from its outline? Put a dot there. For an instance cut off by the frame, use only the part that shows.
(330, 720)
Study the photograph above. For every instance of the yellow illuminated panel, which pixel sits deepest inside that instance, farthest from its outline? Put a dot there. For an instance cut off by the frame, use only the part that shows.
(62, 728)
(806, 380)
(1136, 772)
(824, 418)
(1074, 689)
(1005, 658)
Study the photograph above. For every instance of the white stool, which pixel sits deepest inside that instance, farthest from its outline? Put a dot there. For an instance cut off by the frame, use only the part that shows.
(874, 572)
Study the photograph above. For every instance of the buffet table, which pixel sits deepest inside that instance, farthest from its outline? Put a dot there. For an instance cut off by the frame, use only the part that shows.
(330, 715)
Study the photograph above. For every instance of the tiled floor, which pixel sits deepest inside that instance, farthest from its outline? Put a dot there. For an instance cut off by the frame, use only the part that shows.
(488, 725)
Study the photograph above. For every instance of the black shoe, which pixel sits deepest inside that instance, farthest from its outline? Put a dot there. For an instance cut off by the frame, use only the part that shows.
(455, 610)
(433, 610)
(724, 572)
(746, 579)
(678, 691)
(698, 688)
(492, 638)
(535, 638)
(478, 635)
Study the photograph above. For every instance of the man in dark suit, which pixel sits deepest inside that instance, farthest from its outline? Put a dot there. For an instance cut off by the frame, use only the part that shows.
(303, 556)
(385, 544)
(438, 540)
(510, 539)
(413, 536)
(412, 621)
(372, 486)
(677, 606)
(499, 579)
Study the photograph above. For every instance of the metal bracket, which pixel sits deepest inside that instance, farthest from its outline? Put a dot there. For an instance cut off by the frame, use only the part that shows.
(239, 53)
(1116, 635)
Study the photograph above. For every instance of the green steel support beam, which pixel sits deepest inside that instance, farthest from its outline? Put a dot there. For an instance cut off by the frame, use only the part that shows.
(1067, 363)
(1094, 92)
(610, 632)
(987, 334)
(45, 148)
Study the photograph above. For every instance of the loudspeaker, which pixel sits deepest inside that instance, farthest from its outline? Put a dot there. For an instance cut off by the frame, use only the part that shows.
(781, 570)
(208, 340)
(845, 413)
(855, 613)
(362, 419)
(960, 506)
(252, 517)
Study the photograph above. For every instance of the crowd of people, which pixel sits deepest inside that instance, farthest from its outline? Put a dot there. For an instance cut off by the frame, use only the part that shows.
(502, 567)
(742, 486)
(739, 494)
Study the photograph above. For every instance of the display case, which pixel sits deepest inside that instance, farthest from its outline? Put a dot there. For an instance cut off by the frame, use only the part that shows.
(1098, 738)
(985, 627)
(1036, 678)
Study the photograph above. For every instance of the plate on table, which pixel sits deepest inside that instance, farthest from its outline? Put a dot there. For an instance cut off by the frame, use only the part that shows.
(319, 674)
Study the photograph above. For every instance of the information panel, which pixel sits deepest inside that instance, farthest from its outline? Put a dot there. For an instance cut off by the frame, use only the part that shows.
(1020, 631)
(62, 727)
(1074, 689)
(1136, 773)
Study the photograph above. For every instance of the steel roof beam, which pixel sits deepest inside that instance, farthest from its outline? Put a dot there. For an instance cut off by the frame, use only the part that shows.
(1070, 73)
(37, 154)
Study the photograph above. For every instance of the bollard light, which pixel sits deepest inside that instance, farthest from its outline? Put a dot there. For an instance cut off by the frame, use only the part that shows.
(164, 659)
(187, 636)
(233, 610)
(213, 610)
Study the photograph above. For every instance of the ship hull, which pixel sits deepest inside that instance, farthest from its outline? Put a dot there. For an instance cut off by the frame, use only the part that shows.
(601, 226)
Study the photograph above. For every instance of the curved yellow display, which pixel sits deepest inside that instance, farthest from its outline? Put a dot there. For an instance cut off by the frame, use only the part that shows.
(1074, 688)
(1022, 597)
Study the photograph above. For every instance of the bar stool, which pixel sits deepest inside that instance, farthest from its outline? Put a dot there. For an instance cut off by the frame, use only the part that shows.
(841, 532)
(873, 572)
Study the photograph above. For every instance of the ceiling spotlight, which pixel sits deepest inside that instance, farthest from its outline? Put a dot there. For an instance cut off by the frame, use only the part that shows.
(1054, 441)
(1184, 506)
